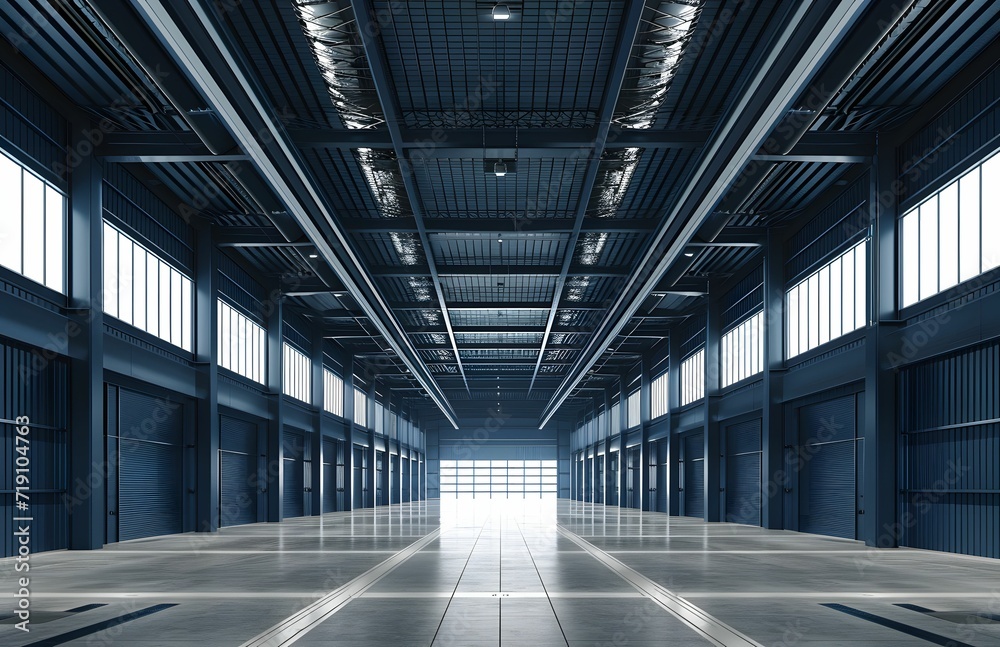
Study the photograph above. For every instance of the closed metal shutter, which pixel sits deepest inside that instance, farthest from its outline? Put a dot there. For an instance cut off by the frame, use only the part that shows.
(341, 475)
(743, 483)
(827, 481)
(405, 465)
(329, 476)
(694, 475)
(293, 497)
(150, 499)
(950, 452)
(237, 472)
(360, 493)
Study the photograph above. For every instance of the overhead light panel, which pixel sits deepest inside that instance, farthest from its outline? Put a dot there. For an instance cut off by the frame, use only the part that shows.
(501, 12)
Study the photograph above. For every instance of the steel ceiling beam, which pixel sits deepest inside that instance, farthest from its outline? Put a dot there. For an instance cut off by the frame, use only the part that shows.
(500, 224)
(500, 271)
(795, 55)
(464, 143)
(368, 31)
(195, 39)
(631, 21)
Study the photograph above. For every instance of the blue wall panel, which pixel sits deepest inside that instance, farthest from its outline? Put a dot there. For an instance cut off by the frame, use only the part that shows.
(950, 444)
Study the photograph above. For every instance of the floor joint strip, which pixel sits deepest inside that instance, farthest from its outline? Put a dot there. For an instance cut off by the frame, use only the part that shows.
(703, 623)
(299, 624)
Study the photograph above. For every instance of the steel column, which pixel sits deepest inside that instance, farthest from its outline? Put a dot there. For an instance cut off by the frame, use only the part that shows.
(88, 467)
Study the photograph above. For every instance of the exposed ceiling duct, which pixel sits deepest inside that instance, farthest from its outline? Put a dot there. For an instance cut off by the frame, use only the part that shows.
(332, 32)
(656, 54)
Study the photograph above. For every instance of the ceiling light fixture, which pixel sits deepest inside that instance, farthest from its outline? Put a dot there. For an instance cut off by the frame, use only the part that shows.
(500, 169)
(314, 256)
(689, 254)
(501, 12)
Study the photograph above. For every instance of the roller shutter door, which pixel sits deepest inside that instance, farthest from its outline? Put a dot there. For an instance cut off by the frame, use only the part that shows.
(827, 481)
(743, 483)
(330, 475)
(237, 472)
(150, 466)
(406, 484)
(694, 475)
(293, 499)
(360, 492)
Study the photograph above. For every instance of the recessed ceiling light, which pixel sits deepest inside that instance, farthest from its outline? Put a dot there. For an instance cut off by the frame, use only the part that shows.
(501, 12)
(689, 254)
(314, 256)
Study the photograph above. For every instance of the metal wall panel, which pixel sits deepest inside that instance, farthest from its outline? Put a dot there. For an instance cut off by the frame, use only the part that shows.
(31, 126)
(950, 444)
(148, 453)
(828, 478)
(743, 472)
(36, 388)
(238, 467)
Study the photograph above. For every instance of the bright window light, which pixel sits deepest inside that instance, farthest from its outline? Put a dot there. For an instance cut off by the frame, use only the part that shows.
(658, 405)
(297, 382)
(241, 343)
(33, 226)
(144, 291)
(829, 303)
(742, 350)
(693, 378)
(951, 236)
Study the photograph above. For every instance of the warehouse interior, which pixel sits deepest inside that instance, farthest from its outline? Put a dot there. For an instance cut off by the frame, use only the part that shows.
(464, 322)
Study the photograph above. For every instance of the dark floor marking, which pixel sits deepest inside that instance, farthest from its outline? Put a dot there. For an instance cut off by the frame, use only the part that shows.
(937, 639)
(100, 626)
(86, 607)
(958, 617)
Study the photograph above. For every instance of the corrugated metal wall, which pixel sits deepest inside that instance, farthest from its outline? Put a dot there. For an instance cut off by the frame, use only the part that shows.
(34, 387)
(31, 127)
(743, 472)
(950, 443)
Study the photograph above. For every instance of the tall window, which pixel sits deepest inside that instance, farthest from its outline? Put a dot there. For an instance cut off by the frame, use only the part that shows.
(658, 404)
(360, 408)
(693, 378)
(743, 350)
(145, 291)
(830, 302)
(378, 424)
(241, 343)
(333, 393)
(633, 414)
(952, 236)
(297, 381)
(615, 427)
(33, 226)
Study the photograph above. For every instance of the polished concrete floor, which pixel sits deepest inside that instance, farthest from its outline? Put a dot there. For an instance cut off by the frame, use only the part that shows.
(533, 573)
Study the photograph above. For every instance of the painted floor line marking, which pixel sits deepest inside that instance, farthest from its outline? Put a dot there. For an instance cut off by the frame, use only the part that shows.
(703, 623)
(299, 624)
